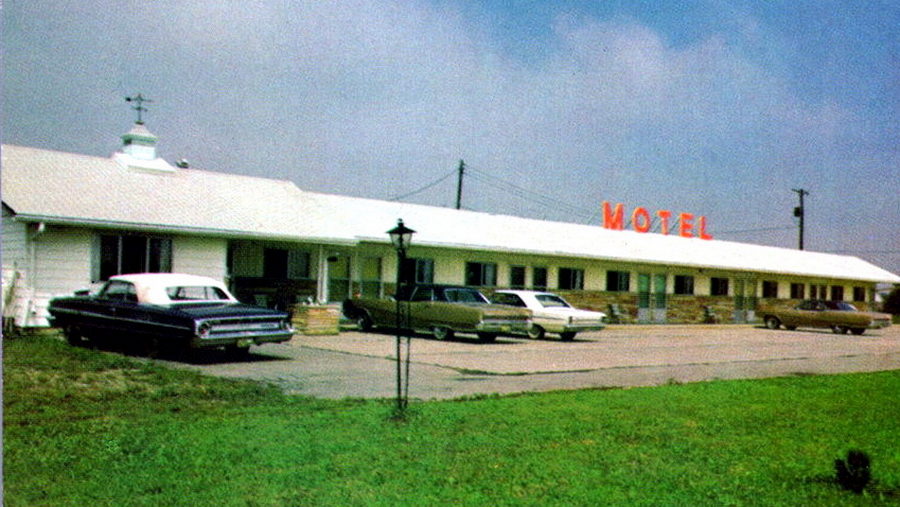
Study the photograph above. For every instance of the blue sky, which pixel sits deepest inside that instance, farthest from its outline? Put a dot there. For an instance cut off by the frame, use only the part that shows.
(710, 107)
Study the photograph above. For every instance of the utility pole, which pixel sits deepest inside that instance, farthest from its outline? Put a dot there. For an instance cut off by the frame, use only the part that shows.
(799, 211)
(462, 170)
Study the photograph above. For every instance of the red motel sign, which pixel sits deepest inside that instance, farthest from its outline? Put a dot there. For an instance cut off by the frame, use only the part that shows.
(641, 221)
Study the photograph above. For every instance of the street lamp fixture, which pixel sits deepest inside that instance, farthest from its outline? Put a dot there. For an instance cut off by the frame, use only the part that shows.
(401, 237)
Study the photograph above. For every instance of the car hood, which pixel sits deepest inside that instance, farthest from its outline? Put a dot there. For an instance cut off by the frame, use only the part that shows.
(220, 310)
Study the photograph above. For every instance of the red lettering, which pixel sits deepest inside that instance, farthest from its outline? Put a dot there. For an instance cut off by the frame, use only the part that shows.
(686, 225)
(640, 219)
(613, 220)
(703, 234)
(664, 215)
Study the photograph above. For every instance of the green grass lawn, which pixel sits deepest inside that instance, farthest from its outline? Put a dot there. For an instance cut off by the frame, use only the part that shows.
(83, 427)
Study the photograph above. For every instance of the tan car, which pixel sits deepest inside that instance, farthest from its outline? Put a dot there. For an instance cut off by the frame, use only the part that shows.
(838, 316)
(441, 310)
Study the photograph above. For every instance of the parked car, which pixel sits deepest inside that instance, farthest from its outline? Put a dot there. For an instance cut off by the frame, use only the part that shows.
(551, 313)
(166, 309)
(441, 310)
(839, 316)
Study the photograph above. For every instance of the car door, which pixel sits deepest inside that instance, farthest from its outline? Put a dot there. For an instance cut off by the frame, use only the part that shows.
(116, 306)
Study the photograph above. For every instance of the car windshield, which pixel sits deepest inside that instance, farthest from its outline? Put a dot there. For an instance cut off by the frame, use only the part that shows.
(464, 296)
(551, 301)
(196, 293)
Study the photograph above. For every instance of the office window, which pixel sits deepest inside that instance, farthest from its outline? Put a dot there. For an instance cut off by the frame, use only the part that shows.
(517, 277)
(539, 278)
(483, 274)
(837, 292)
(859, 293)
(718, 286)
(684, 284)
(571, 279)
(797, 291)
(769, 289)
(618, 281)
(121, 254)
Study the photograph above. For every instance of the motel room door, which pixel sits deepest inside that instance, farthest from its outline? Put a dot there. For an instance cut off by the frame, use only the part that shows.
(651, 305)
(643, 298)
(659, 298)
(744, 299)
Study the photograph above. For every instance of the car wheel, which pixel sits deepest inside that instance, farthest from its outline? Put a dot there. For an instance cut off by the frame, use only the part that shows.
(567, 336)
(442, 333)
(839, 329)
(74, 337)
(536, 332)
(487, 337)
(858, 330)
(236, 352)
(772, 322)
(364, 323)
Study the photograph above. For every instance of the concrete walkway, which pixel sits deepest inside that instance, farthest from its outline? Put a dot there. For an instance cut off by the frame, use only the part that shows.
(362, 365)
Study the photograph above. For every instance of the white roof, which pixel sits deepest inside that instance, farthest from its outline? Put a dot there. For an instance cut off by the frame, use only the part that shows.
(70, 188)
(151, 287)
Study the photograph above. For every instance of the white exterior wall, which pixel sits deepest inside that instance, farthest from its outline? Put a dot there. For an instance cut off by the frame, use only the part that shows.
(14, 234)
(200, 256)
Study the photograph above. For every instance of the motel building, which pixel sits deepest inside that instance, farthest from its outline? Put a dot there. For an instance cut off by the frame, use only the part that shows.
(70, 221)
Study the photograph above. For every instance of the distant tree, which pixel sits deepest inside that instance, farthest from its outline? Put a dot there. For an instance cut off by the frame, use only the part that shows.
(892, 302)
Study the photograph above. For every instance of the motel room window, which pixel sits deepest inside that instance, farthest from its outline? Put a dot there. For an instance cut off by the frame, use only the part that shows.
(769, 289)
(684, 285)
(571, 279)
(282, 264)
(481, 274)
(517, 277)
(618, 281)
(797, 291)
(718, 286)
(539, 278)
(117, 254)
(859, 293)
(817, 292)
(419, 270)
(837, 292)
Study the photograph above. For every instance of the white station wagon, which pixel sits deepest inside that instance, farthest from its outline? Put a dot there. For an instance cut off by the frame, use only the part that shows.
(552, 314)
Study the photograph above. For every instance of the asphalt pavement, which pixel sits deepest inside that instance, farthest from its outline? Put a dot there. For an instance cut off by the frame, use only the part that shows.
(363, 365)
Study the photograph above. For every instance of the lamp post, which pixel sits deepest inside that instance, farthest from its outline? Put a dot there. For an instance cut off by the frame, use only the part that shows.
(401, 236)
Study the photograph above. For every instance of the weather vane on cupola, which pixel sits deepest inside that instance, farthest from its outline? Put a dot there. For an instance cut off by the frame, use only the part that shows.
(139, 107)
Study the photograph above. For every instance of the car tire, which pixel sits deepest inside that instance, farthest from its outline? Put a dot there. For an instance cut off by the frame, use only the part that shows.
(364, 323)
(536, 332)
(567, 336)
(839, 329)
(442, 333)
(235, 352)
(74, 336)
(858, 330)
(487, 337)
(772, 322)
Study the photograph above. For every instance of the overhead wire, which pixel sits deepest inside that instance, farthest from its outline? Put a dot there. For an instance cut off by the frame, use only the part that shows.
(424, 188)
(543, 200)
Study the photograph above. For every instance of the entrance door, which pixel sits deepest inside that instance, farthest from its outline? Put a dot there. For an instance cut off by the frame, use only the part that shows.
(659, 298)
(338, 277)
(745, 299)
(643, 301)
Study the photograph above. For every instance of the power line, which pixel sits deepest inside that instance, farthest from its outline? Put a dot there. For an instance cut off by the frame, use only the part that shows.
(422, 189)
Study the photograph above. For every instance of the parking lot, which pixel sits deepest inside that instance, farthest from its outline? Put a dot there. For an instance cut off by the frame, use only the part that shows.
(362, 365)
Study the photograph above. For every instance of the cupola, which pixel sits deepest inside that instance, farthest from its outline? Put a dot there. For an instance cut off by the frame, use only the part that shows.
(139, 144)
